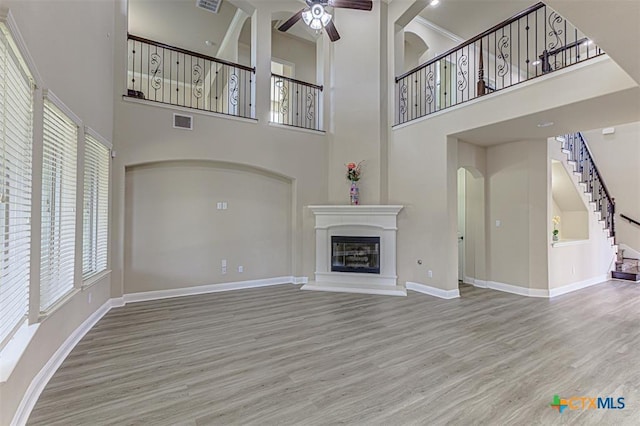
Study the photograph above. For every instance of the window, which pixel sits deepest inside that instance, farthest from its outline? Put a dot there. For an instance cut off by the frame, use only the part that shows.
(58, 205)
(96, 207)
(16, 108)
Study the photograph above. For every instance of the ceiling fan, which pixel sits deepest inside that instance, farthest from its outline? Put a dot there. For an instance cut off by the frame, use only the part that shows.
(316, 16)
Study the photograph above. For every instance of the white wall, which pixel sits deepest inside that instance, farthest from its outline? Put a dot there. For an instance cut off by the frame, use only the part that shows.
(617, 156)
(516, 198)
(301, 53)
(176, 237)
(79, 71)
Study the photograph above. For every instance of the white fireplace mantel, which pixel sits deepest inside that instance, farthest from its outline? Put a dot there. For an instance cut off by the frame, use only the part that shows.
(360, 221)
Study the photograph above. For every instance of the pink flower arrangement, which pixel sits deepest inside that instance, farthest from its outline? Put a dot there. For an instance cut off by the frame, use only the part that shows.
(353, 171)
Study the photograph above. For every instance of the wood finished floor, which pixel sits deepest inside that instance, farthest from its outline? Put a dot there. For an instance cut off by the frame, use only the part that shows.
(277, 356)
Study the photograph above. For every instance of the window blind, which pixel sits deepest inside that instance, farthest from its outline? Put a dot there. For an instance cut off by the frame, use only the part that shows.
(96, 207)
(16, 110)
(58, 205)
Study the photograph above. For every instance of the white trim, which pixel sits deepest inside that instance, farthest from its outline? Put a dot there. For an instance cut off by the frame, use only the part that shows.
(475, 282)
(370, 210)
(94, 279)
(97, 136)
(433, 291)
(448, 34)
(578, 285)
(188, 110)
(564, 243)
(298, 129)
(355, 288)
(42, 378)
(6, 17)
(300, 280)
(203, 289)
(514, 289)
(51, 97)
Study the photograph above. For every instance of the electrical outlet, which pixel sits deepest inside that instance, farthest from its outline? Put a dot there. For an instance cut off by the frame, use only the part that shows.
(240, 268)
(89, 298)
(430, 273)
(498, 223)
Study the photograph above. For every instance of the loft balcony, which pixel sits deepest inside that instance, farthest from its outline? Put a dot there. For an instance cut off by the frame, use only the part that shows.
(531, 44)
(170, 75)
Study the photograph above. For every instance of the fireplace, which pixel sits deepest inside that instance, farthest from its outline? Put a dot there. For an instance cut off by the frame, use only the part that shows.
(356, 249)
(355, 254)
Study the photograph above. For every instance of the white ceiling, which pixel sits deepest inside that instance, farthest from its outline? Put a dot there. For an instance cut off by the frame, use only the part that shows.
(180, 23)
(468, 18)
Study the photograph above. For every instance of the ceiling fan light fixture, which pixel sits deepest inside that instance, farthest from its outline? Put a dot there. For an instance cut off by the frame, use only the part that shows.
(317, 17)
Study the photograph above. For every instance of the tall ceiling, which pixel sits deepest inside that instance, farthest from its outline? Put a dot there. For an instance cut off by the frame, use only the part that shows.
(467, 18)
(180, 23)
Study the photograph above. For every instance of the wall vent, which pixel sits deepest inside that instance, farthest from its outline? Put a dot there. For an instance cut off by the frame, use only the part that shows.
(210, 5)
(182, 121)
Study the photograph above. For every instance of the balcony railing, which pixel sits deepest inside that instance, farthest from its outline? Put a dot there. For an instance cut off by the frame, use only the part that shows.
(295, 103)
(532, 43)
(170, 75)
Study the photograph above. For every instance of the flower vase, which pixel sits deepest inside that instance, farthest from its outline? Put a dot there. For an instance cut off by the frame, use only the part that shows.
(354, 194)
(555, 237)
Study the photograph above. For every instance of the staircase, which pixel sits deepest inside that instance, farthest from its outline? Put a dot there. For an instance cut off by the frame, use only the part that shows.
(580, 158)
(627, 268)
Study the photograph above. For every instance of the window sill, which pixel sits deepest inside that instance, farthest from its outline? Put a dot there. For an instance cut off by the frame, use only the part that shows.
(564, 243)
(94, 279)
(63, 300)
(13, 351)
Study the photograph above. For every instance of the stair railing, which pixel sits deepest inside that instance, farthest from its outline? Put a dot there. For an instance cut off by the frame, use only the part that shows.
(635, 222)
(580, 153)
(530, 44)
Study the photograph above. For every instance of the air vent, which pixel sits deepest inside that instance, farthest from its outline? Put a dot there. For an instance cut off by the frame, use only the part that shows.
(210, 5)
(182, 121)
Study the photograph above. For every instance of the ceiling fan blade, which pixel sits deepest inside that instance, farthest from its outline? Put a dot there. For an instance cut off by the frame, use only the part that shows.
(332, 32)
(352, 4)
(291, 21)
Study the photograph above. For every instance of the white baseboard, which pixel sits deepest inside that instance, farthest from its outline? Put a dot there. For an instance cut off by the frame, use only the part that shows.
(46, 373)
(300, 280)
(578, 285)
(203, 289)
(433, 291)
(514, 289)
(475, 282)
(535, 292)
